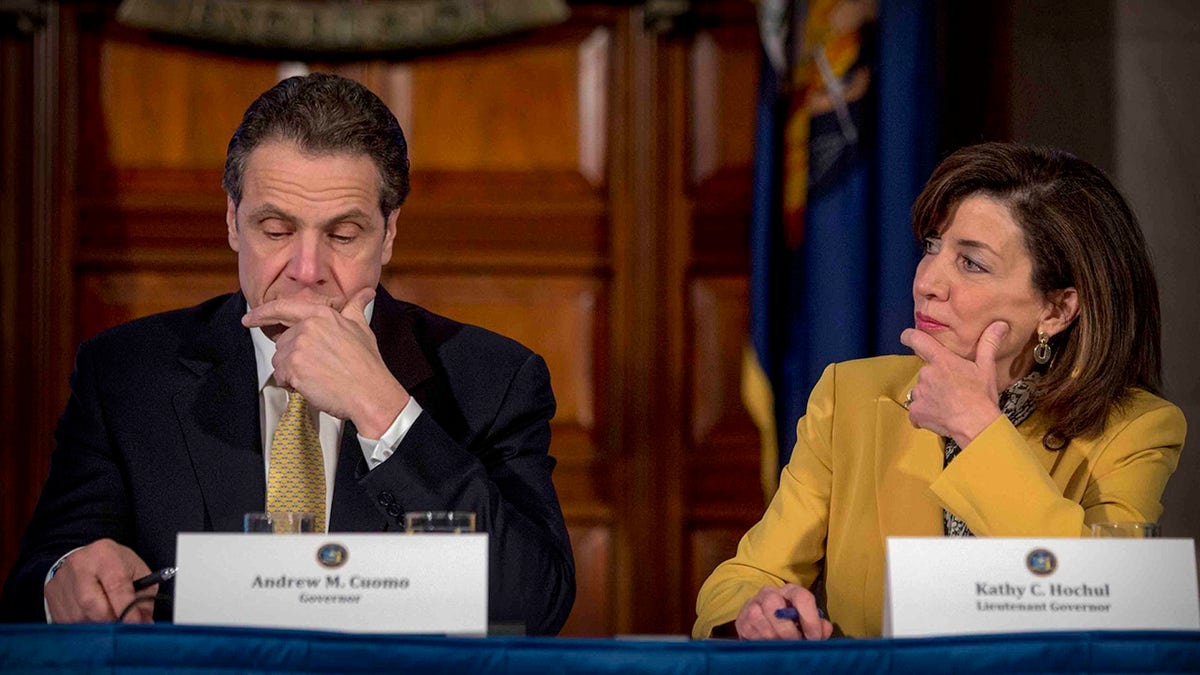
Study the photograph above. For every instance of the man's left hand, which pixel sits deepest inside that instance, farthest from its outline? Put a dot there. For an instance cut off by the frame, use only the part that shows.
(332, 358)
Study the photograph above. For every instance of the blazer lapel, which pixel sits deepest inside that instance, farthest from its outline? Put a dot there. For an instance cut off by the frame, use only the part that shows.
(353, 509)
(218, 415)
(1060, 464)
(908, 460)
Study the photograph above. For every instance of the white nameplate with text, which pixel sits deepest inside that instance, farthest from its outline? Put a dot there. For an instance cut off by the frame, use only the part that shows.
(960, 585)
(368, 583)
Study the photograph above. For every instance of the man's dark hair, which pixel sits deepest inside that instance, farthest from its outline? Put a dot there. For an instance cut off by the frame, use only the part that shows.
(323, 114)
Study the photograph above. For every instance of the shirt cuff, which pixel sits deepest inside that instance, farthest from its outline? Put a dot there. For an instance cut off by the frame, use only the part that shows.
(375, 450)
(50, 575)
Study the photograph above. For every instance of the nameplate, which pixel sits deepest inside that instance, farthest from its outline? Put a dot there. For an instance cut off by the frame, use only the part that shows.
(368, 583)
(949, 586)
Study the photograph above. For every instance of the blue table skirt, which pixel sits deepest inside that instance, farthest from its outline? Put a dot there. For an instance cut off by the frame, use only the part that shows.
(144, 649)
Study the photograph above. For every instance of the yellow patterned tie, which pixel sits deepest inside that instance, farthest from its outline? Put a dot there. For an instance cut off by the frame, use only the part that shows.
(296, 478)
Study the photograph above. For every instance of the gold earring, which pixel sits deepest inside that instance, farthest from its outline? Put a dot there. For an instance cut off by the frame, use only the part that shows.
(1041, 351)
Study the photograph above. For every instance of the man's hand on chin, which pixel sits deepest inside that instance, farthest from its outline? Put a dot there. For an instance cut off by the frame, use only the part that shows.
(332, 358)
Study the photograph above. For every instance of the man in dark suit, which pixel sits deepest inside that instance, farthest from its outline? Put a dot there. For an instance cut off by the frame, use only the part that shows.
(174, 420)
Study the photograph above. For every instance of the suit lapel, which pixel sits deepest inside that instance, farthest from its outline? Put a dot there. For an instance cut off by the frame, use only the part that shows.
(908, 460)
(218, 416)
(398, 345)
(353, 509)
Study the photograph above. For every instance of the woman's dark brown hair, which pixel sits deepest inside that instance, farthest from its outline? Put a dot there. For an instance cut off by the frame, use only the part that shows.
(1080, 233)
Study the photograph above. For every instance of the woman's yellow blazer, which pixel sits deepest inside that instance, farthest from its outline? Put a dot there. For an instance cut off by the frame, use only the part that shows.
(860, 472)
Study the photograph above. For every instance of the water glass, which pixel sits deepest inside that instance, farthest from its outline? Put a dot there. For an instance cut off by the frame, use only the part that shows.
(1131, 530)
(279, 522)
(453, 522)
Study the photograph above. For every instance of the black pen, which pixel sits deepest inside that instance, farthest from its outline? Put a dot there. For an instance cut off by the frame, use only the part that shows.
(155, 577)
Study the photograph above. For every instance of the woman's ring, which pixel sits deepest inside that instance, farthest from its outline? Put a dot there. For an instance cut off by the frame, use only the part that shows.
(908, 398)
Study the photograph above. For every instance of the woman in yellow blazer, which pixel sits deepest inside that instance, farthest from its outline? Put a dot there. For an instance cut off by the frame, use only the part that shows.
(1029, 408)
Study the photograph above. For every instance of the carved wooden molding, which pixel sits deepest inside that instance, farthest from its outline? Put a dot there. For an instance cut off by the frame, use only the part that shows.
(400, 96)
(341, 26)
(593, 105)
(705, 108)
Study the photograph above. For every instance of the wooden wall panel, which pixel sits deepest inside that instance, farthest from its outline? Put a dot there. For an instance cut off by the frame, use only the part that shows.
(723, 495)
(593, 613)
(107, 299)
(502, 110)
(166, 108)
(533, 181)
(724, 68)
(723, 435)
(724, 78)
(171, 213)
(154, 124)
(484, 220)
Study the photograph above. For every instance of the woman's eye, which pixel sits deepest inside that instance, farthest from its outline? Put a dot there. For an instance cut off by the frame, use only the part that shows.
(932, 245)
(972, 266)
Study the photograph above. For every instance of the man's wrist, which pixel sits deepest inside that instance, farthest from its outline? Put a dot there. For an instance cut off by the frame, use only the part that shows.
(376, 451)
(50, 575)
(380, 412)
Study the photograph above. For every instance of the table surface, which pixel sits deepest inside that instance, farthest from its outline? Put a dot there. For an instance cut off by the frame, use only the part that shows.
(130, 648)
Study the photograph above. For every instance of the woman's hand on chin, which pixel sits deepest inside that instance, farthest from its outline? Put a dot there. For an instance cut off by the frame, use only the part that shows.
(954, 396)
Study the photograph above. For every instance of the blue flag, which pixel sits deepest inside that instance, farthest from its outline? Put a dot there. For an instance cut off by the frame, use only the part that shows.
(845, 139)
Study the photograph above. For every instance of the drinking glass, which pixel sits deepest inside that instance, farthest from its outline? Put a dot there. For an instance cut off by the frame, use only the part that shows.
(454, 522)
(1133, 530)
(279, 522)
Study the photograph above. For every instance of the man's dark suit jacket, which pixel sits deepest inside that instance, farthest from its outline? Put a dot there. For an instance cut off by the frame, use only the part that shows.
(161, 435)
